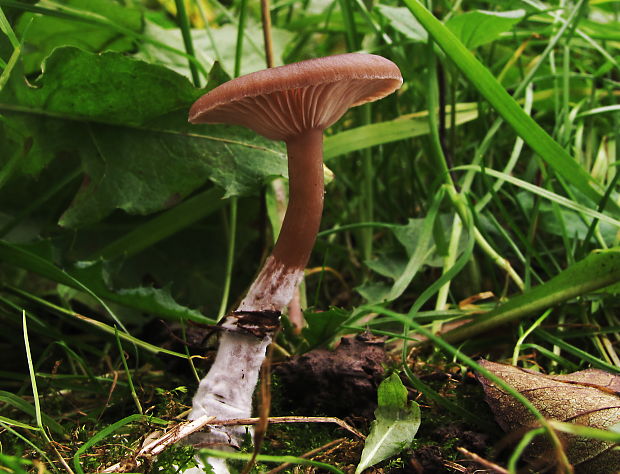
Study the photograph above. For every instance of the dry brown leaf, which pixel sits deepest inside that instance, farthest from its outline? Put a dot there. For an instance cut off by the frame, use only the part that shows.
(589, 397)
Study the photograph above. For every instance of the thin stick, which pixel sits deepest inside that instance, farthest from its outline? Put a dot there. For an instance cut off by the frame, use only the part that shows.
(291, 419)
(266, 20)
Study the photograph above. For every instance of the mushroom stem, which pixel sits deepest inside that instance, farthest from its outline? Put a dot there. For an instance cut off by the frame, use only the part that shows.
(226, 391)
(275, 285)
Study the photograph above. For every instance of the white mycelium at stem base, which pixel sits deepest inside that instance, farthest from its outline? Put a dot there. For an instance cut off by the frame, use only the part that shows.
(293, 103)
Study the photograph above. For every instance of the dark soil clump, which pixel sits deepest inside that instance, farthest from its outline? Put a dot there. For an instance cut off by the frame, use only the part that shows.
(340, 383)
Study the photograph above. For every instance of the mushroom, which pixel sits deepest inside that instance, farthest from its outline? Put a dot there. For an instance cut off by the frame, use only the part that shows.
(294, 104)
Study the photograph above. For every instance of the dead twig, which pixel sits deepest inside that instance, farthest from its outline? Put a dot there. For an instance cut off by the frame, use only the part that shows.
(182, 430)
(291, 419)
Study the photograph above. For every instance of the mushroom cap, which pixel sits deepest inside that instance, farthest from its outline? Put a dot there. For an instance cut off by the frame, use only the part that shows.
(282, 102)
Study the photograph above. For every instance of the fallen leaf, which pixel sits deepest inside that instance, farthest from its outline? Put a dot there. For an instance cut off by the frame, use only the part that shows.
(588, 397)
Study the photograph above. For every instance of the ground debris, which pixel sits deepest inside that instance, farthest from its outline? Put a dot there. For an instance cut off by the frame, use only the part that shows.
(342, 382)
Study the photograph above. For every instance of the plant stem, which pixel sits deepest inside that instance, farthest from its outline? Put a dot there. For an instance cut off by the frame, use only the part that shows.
(230, 256)
(266, 20)
(240, 34)
(187, 39)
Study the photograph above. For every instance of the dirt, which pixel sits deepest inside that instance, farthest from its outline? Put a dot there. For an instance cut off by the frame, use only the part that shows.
(339, 383)
(343, 383)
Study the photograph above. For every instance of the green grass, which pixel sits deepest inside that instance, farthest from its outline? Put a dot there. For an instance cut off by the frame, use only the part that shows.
(125, 231)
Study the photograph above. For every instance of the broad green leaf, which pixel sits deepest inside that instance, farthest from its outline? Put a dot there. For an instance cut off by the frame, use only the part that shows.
(11, 136)
(394, 264)
(416, 237)
(390, 265)
(423, 251)
(15, 401)
(44, 33)
(570, 223)
(532, 133)
(142, 171)
(596, 271)
(406, 126)
(392, 393)
(479, 27)
(126, 121)
(109, 88)
(395, 426)
(403, 21)
(22, 258)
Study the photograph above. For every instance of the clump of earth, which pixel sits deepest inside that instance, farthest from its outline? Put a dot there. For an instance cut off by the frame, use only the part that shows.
(341, 383)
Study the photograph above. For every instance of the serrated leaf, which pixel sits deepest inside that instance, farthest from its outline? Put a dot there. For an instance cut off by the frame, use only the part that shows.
(109, 88)
(90, 278)
(126, 121)
(146, 299)
(479, 27)
(395, 426)
(143, 171)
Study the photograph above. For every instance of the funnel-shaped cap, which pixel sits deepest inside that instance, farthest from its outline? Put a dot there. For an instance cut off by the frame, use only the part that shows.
(281, 102)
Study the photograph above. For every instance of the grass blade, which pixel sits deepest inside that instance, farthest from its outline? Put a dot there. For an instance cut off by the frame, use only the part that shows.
(532, 133)
(598, 270)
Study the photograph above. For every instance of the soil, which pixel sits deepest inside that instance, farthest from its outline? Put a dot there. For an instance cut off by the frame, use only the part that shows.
(343, 383)
(340, 383)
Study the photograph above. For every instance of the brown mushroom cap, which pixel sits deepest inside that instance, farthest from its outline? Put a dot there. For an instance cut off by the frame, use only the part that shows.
(281, 102)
